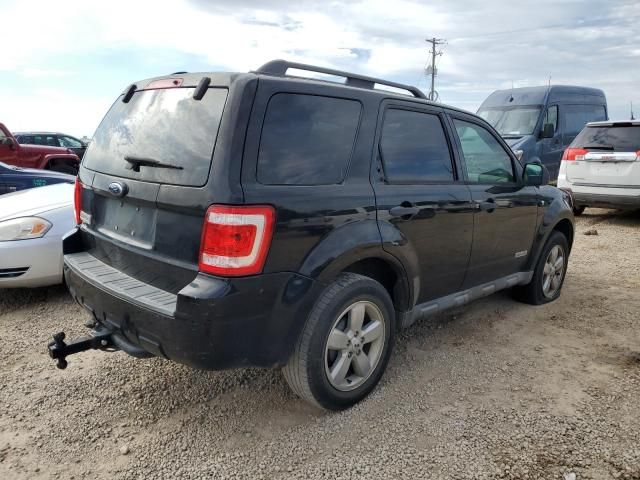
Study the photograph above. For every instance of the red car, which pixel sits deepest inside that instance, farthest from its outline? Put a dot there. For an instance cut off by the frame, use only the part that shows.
(59, 159)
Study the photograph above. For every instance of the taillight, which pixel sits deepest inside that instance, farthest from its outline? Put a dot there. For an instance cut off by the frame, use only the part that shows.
(77, 200)
(638, 155)
(572, 154)
(235, 240)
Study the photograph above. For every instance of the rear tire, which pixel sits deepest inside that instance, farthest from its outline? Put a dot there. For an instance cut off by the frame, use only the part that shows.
(549, 273)
(345, 345)
(64, 168)
(578, 210)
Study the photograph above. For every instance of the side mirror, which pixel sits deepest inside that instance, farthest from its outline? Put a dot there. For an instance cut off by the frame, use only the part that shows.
(548, 131)
(535, 175)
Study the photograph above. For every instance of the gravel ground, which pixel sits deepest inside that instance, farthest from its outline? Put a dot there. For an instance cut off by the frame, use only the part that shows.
(495, 390)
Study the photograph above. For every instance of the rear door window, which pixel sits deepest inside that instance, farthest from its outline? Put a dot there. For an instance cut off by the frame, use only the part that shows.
(165, 125)
(619, 138)
(414, 148)
(307, 139)
(486, 161)
(577, 116)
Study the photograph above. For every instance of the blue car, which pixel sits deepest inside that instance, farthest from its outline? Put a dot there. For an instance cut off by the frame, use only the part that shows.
(14, 178)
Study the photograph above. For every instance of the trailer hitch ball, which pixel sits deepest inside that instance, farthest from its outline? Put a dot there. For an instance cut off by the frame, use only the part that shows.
(56, 348)
(59, 350)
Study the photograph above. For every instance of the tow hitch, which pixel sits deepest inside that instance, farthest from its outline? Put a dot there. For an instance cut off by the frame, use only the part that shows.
(59, 350)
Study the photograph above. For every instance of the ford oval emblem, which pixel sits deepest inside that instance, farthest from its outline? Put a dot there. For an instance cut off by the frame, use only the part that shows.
(117, 189)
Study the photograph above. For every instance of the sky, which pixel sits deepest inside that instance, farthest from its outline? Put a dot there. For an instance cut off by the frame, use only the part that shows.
(64, 62)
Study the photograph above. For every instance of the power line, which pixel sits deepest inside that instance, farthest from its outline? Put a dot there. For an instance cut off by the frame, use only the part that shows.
(433, 95)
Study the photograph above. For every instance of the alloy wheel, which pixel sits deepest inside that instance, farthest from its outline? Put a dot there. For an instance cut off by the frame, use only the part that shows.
(354, 345)
(553, 272)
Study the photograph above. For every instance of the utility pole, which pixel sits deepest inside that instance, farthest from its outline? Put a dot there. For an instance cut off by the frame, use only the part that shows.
(632, 117)
(433, 95)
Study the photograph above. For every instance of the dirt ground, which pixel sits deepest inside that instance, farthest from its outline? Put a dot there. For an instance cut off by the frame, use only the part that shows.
(495, 390)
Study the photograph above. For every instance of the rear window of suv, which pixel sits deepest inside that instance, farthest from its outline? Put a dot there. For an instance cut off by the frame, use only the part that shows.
(165, 125)
(620, 138)
(307, 139)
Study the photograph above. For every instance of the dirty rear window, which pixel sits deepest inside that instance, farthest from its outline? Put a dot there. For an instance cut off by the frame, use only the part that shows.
(623, 138)
(165, 125)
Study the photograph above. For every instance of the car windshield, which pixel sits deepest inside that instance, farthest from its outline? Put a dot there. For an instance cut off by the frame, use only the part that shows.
(623, 138)
(512, 121)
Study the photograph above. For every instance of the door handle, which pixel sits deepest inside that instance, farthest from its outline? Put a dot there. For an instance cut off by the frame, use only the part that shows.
(487, 206)
(404, 211)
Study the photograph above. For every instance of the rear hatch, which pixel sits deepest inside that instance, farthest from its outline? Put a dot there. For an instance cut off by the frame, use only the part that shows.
(605, 155)
(160, 140)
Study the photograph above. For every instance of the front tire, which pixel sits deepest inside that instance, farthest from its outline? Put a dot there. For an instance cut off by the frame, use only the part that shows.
(345, 345)
(549, 273)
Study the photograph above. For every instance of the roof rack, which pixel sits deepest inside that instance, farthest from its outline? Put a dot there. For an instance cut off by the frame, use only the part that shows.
(280, 67)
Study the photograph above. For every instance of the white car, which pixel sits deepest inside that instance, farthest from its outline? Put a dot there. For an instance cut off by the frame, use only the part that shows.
(32, 224)
(601, 167)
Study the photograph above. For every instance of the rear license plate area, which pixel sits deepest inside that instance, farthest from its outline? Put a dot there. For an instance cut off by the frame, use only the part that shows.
(128, 222)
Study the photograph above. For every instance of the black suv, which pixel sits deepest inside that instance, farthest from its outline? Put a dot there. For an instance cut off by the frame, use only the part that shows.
(266, 220)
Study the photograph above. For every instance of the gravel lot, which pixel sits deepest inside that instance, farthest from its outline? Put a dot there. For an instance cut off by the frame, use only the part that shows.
(495, 390)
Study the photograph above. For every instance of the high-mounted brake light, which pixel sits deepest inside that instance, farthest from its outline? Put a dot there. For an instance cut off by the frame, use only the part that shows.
(571, 154)
(236, 239)
(77, 200)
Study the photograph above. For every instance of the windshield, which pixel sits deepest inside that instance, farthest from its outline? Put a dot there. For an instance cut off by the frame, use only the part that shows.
(512, 121)
(165, 125)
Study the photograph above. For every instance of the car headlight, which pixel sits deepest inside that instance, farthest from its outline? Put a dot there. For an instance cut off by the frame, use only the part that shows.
(519, 154)
(23, 228)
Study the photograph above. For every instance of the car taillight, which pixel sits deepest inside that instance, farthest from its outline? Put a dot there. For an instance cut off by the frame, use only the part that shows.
(572, 154)
(235, 240)
(638, 155)
(77, 200)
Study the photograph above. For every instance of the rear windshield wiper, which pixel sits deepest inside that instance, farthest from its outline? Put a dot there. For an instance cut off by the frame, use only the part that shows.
(134, 163)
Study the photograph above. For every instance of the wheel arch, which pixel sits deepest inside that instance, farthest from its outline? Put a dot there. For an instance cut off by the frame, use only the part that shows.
(391, 276)
(565, 227)
(357, 248)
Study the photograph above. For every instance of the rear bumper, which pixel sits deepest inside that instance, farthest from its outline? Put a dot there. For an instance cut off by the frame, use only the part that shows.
(214, 323)
(606, 200)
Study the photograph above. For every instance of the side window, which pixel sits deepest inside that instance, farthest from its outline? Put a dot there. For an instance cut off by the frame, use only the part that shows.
(552, 117)
(52, 141)
(69, 142)
(486, 161)
(307, 139)
(577, 116)
(414, 148)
